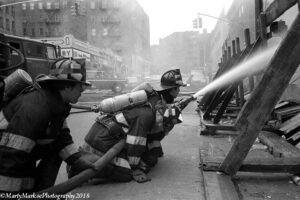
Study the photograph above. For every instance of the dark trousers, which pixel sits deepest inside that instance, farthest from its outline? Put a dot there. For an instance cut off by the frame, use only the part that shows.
(47, 168)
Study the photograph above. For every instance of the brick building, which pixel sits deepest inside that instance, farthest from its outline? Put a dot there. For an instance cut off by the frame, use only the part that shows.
(120, 25)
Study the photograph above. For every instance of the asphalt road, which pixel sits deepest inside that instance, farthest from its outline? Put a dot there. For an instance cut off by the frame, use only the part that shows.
(176, 176)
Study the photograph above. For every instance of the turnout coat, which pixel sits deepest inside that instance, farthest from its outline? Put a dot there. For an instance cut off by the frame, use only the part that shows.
(31, 123)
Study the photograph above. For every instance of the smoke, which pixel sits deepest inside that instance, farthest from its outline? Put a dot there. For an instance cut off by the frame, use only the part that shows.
(256, 63)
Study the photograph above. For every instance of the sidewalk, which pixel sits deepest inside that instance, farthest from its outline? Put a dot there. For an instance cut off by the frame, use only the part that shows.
(244, 185)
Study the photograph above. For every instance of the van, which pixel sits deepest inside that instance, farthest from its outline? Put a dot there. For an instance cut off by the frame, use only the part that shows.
(33, 56)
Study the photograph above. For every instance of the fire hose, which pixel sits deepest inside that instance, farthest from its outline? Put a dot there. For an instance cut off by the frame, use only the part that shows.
(87, 174)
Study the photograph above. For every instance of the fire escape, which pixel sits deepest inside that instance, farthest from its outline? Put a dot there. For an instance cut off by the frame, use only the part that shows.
(52, 18)
(111, 33)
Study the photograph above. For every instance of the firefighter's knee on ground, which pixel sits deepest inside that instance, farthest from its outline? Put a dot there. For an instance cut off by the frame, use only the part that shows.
(150, 160)
(121, 175)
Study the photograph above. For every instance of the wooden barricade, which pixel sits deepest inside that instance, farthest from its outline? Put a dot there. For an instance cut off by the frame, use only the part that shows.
(249, 125)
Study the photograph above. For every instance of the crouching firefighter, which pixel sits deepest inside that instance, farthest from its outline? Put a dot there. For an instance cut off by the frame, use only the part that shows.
(34, 136)
(141, 125)
(167, 112)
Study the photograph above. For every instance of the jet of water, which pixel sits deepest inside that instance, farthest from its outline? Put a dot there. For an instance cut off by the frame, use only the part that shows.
(251, 66)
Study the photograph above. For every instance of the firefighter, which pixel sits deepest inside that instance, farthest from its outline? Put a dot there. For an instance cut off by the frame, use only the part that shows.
(142, 127)
(34, 137)
(168, 114)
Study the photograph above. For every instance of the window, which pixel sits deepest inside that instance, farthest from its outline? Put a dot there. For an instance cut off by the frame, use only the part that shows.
(56, 5)
(41, 31)
(48, 5)
(51, 52)
(33, 32)
(1, 22)
(48, 32)
(56, 32)
(105, 32)
(24, 31)
(23, 6)
(104, 4)
(7, 24)
(65, 3)
(34, 50)
(93, 5)
(13, 26)
(14, 56)
(15, 44)
(116, 4)
(93, 32)
(241, 11)
(31, 6)
(40, 5)
(13, 11)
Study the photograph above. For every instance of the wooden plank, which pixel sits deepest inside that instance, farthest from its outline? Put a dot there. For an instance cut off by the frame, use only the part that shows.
(270, 165)
(216, 127)
(233, 108)
(290, 124)
(277, 8)
(228, 96)
(248, 44)
(241, 85)
(294, 137)
(217, 99)
(258, 108)
(284, 103)
(287, 110)
(278, 144)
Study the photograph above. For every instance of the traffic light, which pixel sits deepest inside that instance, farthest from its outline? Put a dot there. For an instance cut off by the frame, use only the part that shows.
(75, 9)
(197, 23)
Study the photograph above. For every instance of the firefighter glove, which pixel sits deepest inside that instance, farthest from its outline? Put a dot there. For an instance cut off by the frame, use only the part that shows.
(140, 176)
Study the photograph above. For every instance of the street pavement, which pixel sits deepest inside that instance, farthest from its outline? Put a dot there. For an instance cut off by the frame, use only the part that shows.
(176, 175)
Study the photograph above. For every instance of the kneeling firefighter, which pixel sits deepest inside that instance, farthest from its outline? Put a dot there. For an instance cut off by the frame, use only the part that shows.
(142, 126)
(34, 136)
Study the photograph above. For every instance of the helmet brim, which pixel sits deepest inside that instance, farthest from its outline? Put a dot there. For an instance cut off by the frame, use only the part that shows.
(51, 79)
(159, 87)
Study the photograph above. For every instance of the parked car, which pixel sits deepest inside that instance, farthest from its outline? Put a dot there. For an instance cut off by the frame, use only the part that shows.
(99, 80)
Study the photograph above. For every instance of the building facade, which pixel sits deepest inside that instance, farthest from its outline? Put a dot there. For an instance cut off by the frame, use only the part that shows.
(9, 22)
(232, 23)
(185, 50)
(120, 25)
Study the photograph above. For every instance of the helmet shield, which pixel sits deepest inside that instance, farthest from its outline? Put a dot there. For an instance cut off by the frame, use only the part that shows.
(66, 70)
(170, 79)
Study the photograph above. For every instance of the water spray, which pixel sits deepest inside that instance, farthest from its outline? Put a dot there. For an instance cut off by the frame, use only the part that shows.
(257, 63)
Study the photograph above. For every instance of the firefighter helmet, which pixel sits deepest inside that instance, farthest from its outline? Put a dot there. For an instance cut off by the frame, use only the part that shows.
(170, 79)
(65, 69)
